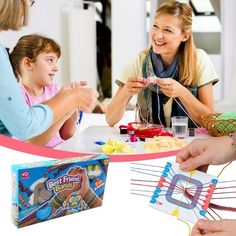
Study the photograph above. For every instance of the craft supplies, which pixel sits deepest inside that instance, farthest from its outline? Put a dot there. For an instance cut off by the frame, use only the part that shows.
(142, 130)
(219, 124)
(116, 146)
(133, 137)
(188, 196)
(173, 188)
(163, 144)
(46, 190)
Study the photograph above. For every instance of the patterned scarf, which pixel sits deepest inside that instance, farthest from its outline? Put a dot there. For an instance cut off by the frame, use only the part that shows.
(148, 109)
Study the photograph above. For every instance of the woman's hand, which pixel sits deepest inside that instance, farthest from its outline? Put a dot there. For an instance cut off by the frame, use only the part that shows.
(134, 86)
(201, 152)
(170, 87)
(217, 228)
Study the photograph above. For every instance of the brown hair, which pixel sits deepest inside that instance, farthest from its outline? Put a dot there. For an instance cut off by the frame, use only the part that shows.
(188, 70)
(13, 14)
(31, 46)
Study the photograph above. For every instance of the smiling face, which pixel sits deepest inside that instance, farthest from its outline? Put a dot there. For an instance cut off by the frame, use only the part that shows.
(44, 69)
(166, 36)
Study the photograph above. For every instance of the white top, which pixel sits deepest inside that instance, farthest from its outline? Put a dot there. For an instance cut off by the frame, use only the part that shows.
(208, 75)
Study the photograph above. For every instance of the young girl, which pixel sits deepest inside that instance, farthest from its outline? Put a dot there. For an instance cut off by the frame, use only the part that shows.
(34, 60)
(182, 75)
(16, 117)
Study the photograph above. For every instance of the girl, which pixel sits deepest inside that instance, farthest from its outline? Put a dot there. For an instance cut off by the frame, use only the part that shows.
(171, 78)
(34, 61)
(16, 117)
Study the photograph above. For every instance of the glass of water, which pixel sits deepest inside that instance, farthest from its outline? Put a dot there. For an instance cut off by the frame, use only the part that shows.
(179, 126)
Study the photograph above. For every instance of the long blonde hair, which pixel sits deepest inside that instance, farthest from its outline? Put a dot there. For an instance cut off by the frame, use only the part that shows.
(188, 70)
(31, 46)
(13, 14)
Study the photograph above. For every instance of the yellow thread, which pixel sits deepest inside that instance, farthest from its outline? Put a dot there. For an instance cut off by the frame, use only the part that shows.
(189, 228)
(223, 169)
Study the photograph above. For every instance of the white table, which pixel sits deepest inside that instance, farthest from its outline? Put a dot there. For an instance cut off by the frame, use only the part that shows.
(85, 141)
(121, 213)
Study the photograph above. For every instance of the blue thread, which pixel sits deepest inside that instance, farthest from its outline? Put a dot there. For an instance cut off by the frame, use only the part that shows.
(99, 142)
(80, 117)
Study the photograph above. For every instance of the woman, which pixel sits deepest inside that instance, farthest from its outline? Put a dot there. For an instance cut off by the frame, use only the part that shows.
(16, 118)
(181, 76)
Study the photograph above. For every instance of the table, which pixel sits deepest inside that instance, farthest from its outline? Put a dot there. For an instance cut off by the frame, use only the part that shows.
(121, 213)
(84, 142)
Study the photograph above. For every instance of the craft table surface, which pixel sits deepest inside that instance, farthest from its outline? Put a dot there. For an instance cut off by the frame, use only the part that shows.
(121, 214)
(84, 141)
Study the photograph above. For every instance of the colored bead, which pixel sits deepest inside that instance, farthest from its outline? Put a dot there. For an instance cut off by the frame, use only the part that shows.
(162, 180)
(155, 195)
(164, 175)
(212, 186)
(153, 201)
(214, 181)
(167, 169)
(202, 213)
(158, 190)
(210, 190)
(169, 165)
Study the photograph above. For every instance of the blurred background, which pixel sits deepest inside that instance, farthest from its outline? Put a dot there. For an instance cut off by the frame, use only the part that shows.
(99, 37)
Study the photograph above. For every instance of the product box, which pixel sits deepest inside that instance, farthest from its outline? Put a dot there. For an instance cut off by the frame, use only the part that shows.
(46, 190)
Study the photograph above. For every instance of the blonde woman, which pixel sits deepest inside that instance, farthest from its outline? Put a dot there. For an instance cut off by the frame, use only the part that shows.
(16, 117)
(183, 76)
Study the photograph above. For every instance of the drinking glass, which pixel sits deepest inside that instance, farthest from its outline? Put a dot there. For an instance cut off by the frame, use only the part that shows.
(179, 126)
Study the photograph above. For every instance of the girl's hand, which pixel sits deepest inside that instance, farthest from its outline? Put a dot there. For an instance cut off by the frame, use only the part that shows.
(134, 86)
(171, 88)
(74, 84)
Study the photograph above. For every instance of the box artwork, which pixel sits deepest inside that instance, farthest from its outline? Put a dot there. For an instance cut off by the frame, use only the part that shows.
(50, 189)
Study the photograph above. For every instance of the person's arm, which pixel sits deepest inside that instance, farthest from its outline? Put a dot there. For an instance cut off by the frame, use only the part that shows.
(17, 119)
(216, 228)
(201, 152)
(83, 99)
(130, 85)
(91, 199)
(116, 108)
(68, 129)
(86, 193)
(46, 136)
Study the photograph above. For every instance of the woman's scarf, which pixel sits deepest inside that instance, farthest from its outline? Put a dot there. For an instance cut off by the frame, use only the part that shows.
(147, 102)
